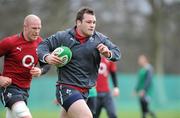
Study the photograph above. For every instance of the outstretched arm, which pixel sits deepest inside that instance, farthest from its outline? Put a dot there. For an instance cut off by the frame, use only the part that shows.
(115, 83)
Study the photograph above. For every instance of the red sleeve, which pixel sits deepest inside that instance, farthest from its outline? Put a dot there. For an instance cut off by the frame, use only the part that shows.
(4, 46)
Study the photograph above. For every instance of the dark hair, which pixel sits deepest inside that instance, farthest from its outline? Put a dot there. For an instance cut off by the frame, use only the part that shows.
(82, 11)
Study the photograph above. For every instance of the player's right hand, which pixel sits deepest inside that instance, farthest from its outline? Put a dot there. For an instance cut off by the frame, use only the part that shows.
(5, 81)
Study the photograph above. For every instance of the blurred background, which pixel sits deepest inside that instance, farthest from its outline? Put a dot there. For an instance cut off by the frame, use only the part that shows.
(150, 27)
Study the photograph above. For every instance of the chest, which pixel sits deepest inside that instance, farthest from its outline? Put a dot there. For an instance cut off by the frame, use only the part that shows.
(104, 68)
(24, 53)
(86, 50)
(142, 74)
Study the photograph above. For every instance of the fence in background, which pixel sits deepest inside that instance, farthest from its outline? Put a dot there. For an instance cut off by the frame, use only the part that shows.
(166, 93)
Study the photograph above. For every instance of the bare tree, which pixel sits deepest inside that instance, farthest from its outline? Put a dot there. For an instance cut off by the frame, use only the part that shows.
(156, 19)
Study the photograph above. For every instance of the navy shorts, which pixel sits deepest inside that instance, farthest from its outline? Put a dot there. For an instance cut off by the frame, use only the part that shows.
(13, 94)
(66, 95)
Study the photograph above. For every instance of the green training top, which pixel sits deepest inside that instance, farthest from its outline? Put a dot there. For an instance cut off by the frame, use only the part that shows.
(145, 78)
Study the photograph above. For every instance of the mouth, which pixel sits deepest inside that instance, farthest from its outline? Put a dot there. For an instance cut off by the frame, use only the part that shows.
(35, 35)
(91, 30)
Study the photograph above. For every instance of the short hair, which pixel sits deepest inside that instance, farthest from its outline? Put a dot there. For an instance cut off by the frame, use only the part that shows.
(82, 11)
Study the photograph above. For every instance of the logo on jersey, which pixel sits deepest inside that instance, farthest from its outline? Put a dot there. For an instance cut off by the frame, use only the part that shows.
(28, 60)
(36, 51)
(19, 48)
(103, 69)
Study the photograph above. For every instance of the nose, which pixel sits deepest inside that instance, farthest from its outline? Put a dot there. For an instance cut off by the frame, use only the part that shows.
(92, 25)
(37, 31)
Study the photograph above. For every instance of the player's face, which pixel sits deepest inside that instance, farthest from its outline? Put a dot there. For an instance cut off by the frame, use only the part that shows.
(141, 60)
(33, 30)
(87, 25)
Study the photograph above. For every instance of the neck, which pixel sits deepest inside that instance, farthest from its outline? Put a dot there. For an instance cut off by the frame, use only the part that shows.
(24, 36)
(80, 33)
(80, 38)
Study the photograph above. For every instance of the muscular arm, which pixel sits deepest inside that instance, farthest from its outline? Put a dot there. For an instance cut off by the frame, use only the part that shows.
(48, 45)
(107, 48)
(115, 51)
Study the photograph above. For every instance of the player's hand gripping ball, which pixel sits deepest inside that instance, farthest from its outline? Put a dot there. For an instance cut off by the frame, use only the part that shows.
(64, 53)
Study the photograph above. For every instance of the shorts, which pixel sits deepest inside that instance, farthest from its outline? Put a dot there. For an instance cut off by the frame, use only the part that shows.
(13, 94)
(67, 95)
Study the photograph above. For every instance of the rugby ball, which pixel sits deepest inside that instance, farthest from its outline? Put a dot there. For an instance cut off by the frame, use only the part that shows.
(63, 53)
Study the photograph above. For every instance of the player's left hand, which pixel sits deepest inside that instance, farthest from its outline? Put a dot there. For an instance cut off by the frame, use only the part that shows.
(103, 49)
(35, 71)
(141, 93)
(116, 91)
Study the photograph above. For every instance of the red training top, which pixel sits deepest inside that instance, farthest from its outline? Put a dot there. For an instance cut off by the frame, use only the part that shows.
(105, 68)
(19, 57)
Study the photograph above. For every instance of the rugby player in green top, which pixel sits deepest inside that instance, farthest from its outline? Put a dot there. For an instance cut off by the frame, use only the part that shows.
(144, 85)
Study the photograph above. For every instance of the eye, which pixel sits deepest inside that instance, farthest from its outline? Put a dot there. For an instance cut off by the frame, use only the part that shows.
(88, 22)
(91, 22)
(36, 28)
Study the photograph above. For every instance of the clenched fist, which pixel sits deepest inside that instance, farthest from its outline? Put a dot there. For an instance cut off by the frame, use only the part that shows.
(103, 49)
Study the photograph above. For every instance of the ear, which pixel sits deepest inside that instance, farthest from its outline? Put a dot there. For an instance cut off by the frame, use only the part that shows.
(78, 22)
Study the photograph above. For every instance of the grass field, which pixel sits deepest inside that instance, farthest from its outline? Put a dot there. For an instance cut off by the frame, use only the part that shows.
(121, 114)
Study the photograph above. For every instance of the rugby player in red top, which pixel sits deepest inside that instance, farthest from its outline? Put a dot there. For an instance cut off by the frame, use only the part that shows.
(20, 60)
(104, 97)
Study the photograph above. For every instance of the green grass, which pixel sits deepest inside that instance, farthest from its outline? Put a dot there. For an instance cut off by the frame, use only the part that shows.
(121, 114)
(132, 114)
